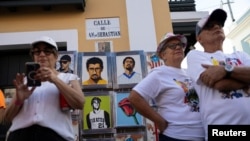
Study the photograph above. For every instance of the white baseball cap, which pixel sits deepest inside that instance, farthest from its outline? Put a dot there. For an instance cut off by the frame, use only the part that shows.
(45, 39)
(166, 38)
(218, 15)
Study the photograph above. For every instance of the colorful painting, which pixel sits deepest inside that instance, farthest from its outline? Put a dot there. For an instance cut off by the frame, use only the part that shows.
(153, 61)
(97, 112)
(129, 137)
(126, 115)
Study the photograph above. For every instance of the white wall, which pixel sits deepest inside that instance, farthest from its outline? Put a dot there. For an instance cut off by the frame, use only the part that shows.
(14, 38)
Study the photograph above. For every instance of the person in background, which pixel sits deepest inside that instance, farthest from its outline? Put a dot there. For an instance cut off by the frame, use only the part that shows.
(35, 112)
(129, 76)
(222, 80)
(94, 67)
(65, 62)
(177, 116)
(2, 106)
(98, 118)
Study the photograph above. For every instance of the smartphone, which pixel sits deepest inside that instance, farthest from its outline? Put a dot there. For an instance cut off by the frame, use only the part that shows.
(31, 68)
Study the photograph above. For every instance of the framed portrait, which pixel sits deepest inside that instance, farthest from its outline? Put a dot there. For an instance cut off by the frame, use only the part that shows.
(151, 130)
(97, 116)
(129, 68)
(136, 136)
(67, 62)
(8, 94)
(99, 139)
(95, 69)
(104, 46)
(125, 113)
(152, 61)
(75, 115)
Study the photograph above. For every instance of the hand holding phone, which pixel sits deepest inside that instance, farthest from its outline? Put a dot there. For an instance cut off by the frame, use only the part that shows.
(31, 68)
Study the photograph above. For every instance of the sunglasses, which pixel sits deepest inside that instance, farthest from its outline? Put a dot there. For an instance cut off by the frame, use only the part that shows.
(63, 62)
(174, 46)
(45, 51)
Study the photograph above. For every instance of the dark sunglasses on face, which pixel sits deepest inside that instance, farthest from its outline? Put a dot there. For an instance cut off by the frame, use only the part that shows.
(174, 46)
(210, 25)
(63, 62)
(45, 51)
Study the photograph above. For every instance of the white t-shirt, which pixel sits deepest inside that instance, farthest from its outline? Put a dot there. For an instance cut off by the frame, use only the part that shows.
(169, 87)
(217, 107)
(42, 108)
(129, 79)
(97, 119)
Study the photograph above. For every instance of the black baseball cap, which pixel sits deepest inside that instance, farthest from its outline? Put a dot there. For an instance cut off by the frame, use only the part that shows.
(65, 57)
(218, 15)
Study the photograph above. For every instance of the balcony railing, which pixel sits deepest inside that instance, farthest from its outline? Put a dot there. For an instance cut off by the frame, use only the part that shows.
(181, 5)
(13, 4)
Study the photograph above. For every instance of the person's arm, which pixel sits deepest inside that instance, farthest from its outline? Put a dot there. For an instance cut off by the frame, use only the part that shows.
(229, 84)
(107, 119)
(22, 93)
(2, 110)
(241, 74)
(12, 109)
(88, 121)
(143, 107)
(72, 93)
(215, 77)
(212, 74)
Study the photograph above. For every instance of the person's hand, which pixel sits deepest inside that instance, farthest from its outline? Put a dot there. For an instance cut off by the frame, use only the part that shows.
(212, 74)
(162, 125)
(22, 90)
(45, 74)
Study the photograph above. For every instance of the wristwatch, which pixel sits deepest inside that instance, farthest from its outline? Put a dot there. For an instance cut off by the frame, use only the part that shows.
(229, 69)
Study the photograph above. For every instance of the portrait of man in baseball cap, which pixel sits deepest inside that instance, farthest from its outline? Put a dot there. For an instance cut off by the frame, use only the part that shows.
(65, 62)
(97, 114)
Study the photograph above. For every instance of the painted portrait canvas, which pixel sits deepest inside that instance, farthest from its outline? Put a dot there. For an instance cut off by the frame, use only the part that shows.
(97, 113)
(125, 113)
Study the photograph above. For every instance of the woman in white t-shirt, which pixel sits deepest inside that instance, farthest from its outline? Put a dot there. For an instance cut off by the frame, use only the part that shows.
(35, 112)
(177, 116)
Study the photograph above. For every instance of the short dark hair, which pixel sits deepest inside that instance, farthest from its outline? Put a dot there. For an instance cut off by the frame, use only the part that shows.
(94, 60)
(128, 58)
(97, 99)
(65, 57)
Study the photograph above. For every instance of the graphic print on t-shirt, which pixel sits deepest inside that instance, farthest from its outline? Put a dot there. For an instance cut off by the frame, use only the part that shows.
(191, 97)
(234, 93)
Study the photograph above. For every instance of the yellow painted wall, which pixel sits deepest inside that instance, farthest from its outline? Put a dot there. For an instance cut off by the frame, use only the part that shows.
(162, 18)
(68, 17)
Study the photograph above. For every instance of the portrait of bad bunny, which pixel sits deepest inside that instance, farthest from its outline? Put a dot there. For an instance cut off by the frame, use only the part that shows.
(95, 69)
(67, 61)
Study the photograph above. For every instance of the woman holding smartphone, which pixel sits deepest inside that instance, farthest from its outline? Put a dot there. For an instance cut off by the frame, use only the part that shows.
(35, 111)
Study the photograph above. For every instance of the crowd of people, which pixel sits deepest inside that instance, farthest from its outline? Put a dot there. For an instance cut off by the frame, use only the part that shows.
(185, 98)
